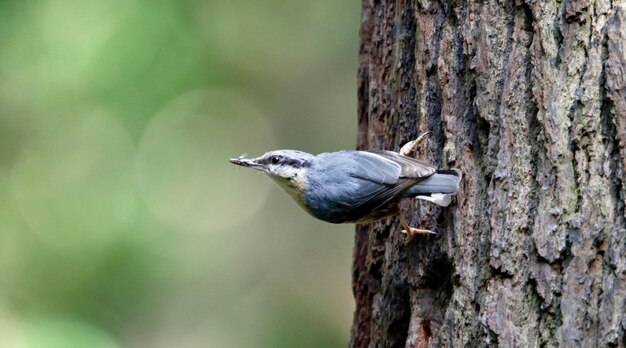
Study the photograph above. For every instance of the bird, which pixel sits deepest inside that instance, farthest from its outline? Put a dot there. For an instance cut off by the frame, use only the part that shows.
(353, 186)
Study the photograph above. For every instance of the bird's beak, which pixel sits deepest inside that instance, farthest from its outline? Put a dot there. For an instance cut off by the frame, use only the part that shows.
(247, 162)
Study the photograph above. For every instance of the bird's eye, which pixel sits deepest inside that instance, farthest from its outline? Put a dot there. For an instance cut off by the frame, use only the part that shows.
(274, 159)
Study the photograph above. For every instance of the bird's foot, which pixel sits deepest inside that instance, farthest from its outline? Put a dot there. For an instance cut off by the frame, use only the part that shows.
(411, 231)
(415, 231)
(410, 146)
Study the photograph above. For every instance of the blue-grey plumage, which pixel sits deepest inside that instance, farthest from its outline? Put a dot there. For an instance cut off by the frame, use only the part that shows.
(355, 186)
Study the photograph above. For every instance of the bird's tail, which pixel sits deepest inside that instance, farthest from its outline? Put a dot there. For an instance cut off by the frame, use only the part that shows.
(437, 188)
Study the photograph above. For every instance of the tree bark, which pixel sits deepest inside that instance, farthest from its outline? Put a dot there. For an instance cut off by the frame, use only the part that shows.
(528, 99)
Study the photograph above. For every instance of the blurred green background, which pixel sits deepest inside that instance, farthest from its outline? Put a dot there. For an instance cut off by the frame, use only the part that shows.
(122, 224)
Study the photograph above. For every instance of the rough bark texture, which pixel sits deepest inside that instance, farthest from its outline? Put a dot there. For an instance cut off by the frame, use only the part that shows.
(528, 99)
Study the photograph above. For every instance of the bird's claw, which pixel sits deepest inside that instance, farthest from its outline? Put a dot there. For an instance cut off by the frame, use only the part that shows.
(410, 146)
(415, 231)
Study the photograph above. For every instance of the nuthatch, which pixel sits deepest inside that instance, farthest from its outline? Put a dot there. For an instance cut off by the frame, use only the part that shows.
(357, 186)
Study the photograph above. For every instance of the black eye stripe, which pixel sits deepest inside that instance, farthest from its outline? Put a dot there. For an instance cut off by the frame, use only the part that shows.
(293, 163)
(285, 161)
(296, 163)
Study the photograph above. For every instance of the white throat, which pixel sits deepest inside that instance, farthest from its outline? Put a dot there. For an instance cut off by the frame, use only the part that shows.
(290, 179)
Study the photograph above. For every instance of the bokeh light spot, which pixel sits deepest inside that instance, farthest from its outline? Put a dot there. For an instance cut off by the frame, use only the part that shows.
(76, 187)
(186, 178)
(60, 332)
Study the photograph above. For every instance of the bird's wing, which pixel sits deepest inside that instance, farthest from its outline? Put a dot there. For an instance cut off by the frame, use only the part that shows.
(410, 167)
(387, 174)
(386, 167)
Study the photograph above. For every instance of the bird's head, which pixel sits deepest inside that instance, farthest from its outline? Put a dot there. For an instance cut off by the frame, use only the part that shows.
(287, 167)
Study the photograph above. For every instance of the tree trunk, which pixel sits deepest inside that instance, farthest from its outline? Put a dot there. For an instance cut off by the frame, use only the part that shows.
(529, 101)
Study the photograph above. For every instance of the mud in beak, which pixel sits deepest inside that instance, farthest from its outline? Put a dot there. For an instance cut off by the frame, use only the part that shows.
(247, 162)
